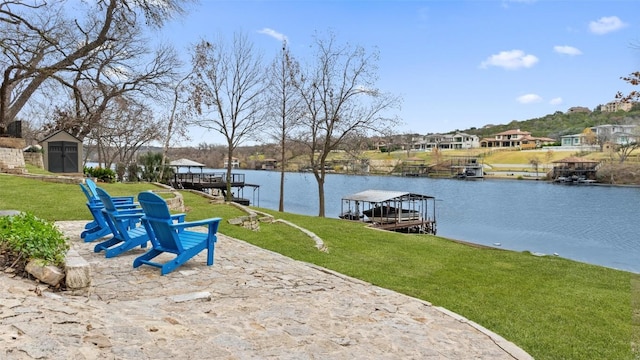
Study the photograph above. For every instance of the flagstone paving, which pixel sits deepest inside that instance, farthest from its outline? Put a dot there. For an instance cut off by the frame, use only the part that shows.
(251, 304)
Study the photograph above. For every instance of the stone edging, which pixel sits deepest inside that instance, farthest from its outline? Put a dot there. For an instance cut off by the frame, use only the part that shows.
(270, 218)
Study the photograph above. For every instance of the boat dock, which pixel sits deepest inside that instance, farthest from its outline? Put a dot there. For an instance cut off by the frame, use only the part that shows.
(457, 167)
(210, 182)
(392, 210)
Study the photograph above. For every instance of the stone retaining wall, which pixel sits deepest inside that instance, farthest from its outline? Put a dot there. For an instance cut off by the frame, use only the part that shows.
(34, 158)
(57, 179)
(11, 156)
(12, 161)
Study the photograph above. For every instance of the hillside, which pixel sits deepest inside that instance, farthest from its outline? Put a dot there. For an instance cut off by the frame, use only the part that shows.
(559, 123)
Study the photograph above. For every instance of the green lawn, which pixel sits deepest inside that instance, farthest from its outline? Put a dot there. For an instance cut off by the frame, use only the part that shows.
(551, 307)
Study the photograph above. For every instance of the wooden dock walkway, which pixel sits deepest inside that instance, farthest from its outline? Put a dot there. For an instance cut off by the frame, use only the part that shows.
(206, 182)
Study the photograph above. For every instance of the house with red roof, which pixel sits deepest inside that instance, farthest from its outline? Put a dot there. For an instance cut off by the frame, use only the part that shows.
(515, 139)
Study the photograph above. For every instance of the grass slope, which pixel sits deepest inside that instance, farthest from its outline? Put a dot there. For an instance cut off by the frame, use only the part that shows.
(551, 307)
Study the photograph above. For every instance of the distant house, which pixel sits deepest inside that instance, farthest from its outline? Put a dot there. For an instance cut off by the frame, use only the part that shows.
(578, 109)
(616, 106)
(613, 134)
(573, 140)
(269, 164)
(445, 141)
(515, 139)
(235, 163)
(617, 134)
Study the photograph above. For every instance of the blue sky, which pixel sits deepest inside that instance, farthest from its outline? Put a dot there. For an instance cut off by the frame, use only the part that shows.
(456, 64)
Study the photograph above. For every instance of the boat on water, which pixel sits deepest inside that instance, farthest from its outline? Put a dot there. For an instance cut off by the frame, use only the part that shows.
(386, 214)
(470, 174)
(573, 180)
(391, 210)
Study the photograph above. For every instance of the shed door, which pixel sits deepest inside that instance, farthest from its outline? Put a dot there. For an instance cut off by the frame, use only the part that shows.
(63, 157)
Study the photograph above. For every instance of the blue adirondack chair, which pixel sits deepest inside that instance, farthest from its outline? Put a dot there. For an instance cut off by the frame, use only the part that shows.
(168, 236)
(119, 201)
(98, 227)
(125, 226)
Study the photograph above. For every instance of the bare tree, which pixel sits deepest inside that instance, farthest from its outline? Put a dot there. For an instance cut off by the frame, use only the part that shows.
(283, 106)
(38, 41)
(355, 146)
(340, 99)
(227, 89)
(633, 79)
(589, 136)
(126, 70)
(535, 163)
(126, 127)
(128, 67)
(624, 150)
(629, 144)
(177, 119)
(548, 156)
(603, 136)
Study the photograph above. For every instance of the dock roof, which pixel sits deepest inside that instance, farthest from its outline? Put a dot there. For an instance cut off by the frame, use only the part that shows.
(377, 196)
(186, 163)
(577, 160)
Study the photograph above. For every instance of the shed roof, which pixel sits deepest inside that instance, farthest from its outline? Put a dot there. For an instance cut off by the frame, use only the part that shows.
(57, 133)
(377, 196)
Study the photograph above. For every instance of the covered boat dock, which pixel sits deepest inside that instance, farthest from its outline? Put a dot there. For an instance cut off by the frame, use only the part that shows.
(575, 170)
(211, 181)
(392, 210)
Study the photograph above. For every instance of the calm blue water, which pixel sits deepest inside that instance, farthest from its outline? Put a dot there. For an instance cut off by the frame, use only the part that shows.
(593, 224)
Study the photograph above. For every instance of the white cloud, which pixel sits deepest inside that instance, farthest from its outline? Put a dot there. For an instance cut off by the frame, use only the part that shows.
(606, 24)
(529, 99)
(274, 34)
(567, 50)
(513, 59)
(556, 101)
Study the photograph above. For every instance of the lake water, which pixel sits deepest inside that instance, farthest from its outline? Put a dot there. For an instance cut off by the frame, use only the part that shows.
(593, 224)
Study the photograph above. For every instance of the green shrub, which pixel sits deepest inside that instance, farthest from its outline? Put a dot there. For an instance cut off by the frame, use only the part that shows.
(34, 149)
(102, 174)
(33, 238)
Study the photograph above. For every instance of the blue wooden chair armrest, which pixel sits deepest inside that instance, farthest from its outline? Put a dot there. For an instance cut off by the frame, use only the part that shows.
(128, 216)
(120, 205)
(126, 205)
(180, 217)
(131, 211)
(188, 224)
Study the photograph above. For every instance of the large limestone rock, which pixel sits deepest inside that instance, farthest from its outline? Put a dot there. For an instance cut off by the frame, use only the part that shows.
(48, 274)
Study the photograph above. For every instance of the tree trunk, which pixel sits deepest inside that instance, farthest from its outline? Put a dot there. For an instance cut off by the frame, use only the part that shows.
(281, 204)
(321, 195)
(229, 196)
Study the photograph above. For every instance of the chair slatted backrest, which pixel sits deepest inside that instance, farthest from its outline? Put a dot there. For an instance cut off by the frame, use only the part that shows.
(106, 200)
(157, 219)
(90, 198)
(110, 210)
(92, 186)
